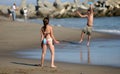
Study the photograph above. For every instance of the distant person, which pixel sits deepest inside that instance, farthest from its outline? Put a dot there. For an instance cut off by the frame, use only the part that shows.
(14, 8)
(47, 39)
(88, 29)
(9, 13)
(25, 13)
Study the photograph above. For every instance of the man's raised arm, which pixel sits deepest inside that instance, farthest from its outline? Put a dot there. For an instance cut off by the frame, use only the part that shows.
(80, 14)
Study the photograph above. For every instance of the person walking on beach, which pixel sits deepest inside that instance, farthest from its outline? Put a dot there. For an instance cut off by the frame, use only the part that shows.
(88, 29)
(9, 13)
(25, 13)
(14, 8)
(47, 39)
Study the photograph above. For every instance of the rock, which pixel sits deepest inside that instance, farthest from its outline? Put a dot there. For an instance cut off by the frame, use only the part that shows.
(100, 11)
(23, 3)
(55, 14)
(97, 4)
(62, 11)
(116, 12)
(39, 3)
(83, 7)
(4, 9)
(77, 2)
(49, 5)
(67, 6)
(31, 10)
(58, 4)
(44, 11)
(67, 9)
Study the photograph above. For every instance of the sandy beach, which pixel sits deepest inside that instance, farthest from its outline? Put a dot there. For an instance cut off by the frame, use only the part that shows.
(17, 35)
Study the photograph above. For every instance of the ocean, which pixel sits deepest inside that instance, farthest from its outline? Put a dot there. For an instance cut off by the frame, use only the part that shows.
(101, 24)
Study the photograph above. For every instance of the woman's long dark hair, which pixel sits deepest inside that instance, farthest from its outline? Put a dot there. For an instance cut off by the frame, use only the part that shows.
(45, 22)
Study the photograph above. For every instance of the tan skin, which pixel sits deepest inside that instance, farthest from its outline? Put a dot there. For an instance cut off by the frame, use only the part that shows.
(49, 44)
(89, 17)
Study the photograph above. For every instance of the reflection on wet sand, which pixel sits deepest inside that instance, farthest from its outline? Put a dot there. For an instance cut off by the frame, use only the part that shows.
(82, 55)
(88, 55)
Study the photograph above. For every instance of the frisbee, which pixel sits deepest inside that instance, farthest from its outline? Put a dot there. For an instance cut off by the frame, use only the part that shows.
(90, 3)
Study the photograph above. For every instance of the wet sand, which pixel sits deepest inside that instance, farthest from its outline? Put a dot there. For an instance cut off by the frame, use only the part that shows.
(16, 36)
(101, 52)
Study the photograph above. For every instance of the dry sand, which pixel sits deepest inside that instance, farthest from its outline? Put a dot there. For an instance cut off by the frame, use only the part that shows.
(20, 36)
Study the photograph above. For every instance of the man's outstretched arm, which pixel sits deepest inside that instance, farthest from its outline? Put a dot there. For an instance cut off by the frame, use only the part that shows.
(80, 14)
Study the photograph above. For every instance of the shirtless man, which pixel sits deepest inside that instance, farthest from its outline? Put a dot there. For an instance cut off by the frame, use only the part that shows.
(88, 28)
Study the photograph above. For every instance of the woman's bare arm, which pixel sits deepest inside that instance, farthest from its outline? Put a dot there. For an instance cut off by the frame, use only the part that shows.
(52, 35)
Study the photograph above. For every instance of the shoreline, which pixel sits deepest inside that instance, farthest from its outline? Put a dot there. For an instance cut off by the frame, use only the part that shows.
(80, 53)
(16, 36)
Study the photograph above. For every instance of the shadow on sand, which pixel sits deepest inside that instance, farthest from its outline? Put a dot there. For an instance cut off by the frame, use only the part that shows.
(26, 64)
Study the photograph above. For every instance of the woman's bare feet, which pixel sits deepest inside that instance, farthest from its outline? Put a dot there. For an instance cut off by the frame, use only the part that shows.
(53, 66)
(39, 65)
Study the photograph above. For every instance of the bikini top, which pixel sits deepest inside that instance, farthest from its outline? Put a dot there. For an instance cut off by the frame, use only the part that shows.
(45, 33)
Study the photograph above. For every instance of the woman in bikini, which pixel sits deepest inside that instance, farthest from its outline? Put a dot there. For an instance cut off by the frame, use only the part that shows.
(47, 39)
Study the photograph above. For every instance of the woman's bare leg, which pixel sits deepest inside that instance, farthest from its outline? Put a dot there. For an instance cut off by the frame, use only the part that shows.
(52, 50)
(44, 48)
